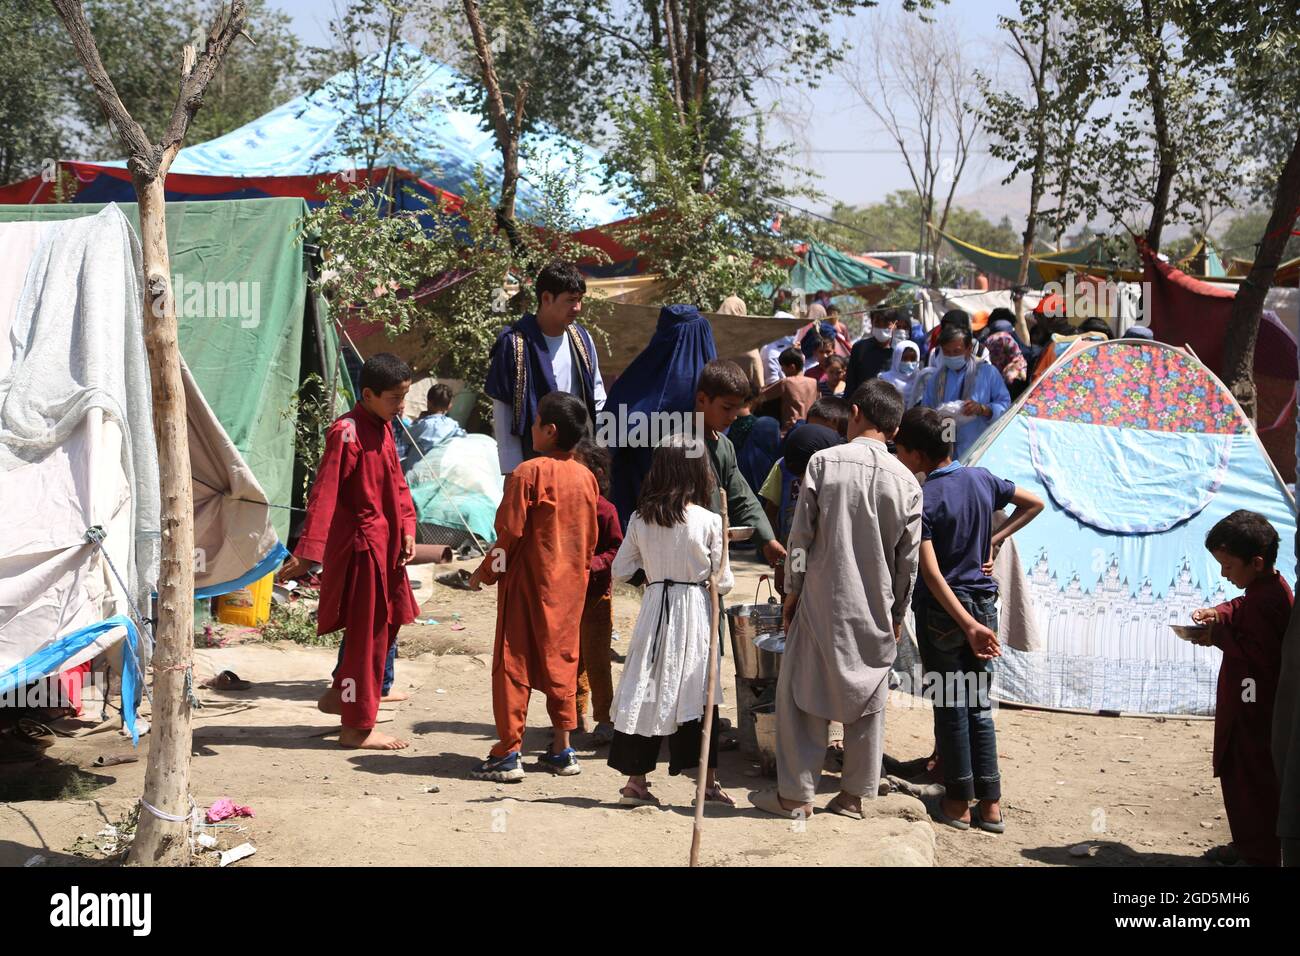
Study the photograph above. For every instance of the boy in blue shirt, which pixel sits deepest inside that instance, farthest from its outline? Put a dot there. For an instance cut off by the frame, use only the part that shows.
(955, 603)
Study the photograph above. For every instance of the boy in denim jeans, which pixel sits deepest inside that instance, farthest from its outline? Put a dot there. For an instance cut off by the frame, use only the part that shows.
(955, 602)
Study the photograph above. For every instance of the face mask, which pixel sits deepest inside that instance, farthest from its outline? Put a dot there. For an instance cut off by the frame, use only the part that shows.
(955, 362)
(908, 368)
(899, 336)
(881, 335)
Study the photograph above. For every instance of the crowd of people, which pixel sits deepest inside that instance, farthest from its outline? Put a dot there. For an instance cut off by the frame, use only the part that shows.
(856, 494)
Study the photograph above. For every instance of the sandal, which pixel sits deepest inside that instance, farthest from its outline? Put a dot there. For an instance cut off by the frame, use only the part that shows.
(769, 802)
(226, 680)
(631, 797)
(834, 806)
(988, 826)
(458, 579)
(834, 760)
(715, 794)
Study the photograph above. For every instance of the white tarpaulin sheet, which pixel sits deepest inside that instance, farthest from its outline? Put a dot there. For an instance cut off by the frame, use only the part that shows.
(77, 452)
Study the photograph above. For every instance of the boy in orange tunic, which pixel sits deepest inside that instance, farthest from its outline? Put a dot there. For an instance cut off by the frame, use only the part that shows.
(546, 536)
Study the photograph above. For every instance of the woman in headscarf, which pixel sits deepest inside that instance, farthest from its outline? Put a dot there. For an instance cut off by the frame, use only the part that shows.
(660, 379)
(1007, 358)
(904, 367)
(970, 393)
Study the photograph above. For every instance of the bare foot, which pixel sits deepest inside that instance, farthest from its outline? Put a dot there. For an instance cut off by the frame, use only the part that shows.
(331, 702)
(370, 739)
(393, 696)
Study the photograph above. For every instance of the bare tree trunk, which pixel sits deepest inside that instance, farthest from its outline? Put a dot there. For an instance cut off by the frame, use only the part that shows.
(164, 840)
(167, 779)
(700, 36)
(1160, 123)
(507, 132)
(1248, 306)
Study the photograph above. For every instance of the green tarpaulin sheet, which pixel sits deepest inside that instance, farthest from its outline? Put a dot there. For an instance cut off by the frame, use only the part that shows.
(1007, 266)
(825, 269)
(241, 296)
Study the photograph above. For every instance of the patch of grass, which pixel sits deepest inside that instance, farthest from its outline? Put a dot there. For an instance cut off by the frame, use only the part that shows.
(49, 780)
(290, 623)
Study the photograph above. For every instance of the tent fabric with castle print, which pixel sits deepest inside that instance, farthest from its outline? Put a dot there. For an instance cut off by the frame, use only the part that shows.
(1137, 450)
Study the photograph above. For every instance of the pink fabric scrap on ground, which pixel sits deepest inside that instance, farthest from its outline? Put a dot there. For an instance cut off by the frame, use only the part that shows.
(225, 807)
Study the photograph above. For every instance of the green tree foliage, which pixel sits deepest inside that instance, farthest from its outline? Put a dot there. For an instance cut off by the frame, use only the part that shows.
(1163, 152)
(535, 44)
(376, 256)
(892, 225)
(380, 86)
(1033, 122)
(140, 42)
(31, 96)
(693, 224)
(1241, 235)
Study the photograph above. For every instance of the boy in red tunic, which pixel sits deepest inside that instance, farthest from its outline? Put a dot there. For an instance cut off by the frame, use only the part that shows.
(595, 681)
(546, 536)
(1249, 631)
(361, 526)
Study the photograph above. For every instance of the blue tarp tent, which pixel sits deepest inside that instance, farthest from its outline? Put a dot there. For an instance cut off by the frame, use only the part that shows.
(308, 137)
(1137, 450)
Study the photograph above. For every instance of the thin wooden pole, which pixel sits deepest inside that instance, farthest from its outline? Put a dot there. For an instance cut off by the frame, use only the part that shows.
(162, 838)
(698, 830)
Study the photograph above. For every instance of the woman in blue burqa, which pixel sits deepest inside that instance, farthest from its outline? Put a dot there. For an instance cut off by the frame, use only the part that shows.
(660, 379)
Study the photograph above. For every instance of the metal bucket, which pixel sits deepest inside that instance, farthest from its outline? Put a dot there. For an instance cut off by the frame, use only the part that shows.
(748, 621)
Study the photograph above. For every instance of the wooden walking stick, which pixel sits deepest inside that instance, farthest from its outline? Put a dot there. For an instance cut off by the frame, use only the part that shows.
(711, 684)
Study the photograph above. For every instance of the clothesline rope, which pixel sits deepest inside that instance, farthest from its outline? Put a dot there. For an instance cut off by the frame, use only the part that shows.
(95, 535)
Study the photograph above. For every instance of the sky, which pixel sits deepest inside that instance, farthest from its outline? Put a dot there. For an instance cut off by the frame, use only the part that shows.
(840, 141)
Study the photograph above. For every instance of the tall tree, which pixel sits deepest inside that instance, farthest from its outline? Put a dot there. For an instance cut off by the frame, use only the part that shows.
(374, 74)
(1156, 157)
(534, 45)
(1032, 125)
(1254, 38)
(132, 36)
(507, 127)
(694, 233)
(162, 838)
(725, 57)
(915, 80)
(31, 96)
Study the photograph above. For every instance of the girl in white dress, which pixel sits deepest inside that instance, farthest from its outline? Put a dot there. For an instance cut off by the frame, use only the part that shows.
(676, 542)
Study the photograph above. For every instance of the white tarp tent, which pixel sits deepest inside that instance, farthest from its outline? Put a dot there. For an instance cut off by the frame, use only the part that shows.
(78, 460)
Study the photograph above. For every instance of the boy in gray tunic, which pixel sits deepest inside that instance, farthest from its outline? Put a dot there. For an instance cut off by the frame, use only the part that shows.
(852, 563)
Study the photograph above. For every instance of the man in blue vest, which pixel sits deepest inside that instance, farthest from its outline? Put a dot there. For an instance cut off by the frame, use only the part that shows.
(539, 354)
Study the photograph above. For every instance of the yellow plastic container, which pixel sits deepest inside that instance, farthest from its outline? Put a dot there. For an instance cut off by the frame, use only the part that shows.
(247, 607)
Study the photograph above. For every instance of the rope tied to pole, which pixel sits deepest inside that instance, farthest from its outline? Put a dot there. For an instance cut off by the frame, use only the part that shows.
(95, 536)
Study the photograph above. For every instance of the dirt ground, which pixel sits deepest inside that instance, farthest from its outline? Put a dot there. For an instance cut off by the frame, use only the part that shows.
(1120, 791)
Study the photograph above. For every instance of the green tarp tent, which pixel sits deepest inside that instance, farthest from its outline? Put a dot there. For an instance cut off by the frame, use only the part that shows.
(247, 329)
(1007, 265)
(825, 269)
